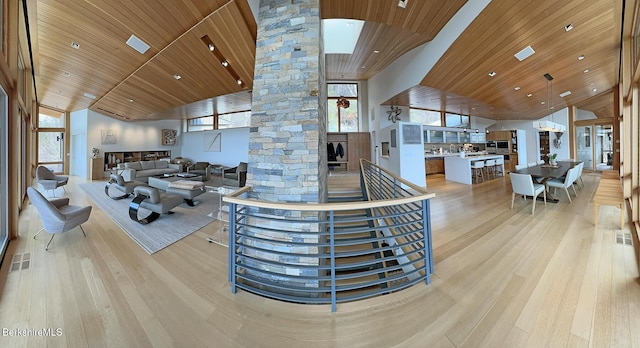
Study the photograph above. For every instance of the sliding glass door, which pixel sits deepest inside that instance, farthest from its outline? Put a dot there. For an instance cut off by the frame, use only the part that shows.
(583, 146)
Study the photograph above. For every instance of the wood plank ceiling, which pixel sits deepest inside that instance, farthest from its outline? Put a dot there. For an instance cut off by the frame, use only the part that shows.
(133, 86)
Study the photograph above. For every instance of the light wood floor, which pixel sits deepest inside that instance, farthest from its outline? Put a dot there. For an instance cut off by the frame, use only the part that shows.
(503, 278)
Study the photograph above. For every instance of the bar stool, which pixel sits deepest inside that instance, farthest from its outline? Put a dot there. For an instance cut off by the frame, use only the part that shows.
(477, 171)
(498, 167)
(489, 168)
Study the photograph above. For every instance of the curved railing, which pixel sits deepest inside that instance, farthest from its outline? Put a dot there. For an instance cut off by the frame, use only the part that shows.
(332, 252)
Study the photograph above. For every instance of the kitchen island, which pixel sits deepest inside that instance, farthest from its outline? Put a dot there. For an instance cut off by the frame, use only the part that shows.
(458, 168)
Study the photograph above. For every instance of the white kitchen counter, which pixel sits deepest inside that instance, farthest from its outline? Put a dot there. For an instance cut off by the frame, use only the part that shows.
(458, 168)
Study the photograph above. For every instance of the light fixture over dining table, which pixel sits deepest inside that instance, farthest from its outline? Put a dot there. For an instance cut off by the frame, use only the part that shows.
(549, 125)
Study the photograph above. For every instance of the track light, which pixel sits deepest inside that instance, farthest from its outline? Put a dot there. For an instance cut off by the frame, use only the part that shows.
(211, 47)
(224, 63)
(239, 81)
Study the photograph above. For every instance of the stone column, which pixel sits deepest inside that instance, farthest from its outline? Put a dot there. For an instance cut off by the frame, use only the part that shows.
(287, 151)
(287, 144)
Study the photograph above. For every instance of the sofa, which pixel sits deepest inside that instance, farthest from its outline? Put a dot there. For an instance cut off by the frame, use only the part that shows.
(236, 176)
(142, 170)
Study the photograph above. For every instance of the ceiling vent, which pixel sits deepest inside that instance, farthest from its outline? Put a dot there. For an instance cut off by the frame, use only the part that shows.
(137, 44)
(525, 53)
(565, 94)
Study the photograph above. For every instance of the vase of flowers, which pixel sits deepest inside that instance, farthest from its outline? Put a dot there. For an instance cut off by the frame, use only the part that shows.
(552, 159)
(95, 152)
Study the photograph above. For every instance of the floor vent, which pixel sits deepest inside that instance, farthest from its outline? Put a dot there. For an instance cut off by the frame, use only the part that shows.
(20, 262)
(623, 238)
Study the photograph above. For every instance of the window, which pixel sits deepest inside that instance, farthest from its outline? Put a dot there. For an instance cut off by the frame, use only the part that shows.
(342, 107)
(234, 120)
(51, 144)
(200, 124)
(455, 120)
(425, 117)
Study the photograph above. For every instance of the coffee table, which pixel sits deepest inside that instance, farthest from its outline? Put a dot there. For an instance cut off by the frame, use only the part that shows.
(188, 194)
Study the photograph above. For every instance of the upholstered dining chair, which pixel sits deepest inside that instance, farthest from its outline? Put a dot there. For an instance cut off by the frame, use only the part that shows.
(57, 215)
(50, 181)
(567, 182)
(522, 184)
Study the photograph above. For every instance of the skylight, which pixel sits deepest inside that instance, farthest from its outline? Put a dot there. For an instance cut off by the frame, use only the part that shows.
(341, 35)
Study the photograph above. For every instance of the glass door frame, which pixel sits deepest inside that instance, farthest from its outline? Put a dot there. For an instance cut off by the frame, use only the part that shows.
(592, 124)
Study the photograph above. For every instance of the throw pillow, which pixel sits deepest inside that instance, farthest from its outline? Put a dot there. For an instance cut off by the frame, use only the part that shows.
(162, 164)
(148, 165)
(133, 165)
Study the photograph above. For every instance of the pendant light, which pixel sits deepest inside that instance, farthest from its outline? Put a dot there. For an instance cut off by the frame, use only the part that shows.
(549, 125)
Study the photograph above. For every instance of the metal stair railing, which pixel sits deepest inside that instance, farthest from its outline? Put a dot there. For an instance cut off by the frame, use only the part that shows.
(320, 254)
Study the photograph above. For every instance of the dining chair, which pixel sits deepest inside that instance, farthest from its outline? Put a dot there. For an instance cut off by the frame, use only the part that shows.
(522, 184)
(520, 166)
(532, 164)
(579, 175)
(57, 215)
(566, 182)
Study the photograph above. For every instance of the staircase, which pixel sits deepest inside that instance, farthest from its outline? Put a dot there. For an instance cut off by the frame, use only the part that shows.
(359, 261)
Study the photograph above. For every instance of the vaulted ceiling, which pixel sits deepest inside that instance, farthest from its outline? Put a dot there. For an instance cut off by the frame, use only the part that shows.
(103, 74)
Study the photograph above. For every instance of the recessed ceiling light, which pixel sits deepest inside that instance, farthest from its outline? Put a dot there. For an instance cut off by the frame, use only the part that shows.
(524, 53)
(402, 3)
(594, 90)
(225, 63)
(376, 51)
(585, 71)
(517, 88)
(66, 73)
(75, 45)
(543, 102)
(90, 96)
(529, 95)
(177, 77)
(581, 57)
(130, 100)
(492, 74)
(564, 94)
(362, 67)
(137, 44)
(568, 27)
(211, 47)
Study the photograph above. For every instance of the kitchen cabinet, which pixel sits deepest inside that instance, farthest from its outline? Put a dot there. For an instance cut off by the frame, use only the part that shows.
(477, 138)
(435, 136)
(434, 165)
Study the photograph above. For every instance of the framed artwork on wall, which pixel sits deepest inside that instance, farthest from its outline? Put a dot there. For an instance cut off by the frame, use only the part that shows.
(169, 136)
(108, 136)
(212, 141)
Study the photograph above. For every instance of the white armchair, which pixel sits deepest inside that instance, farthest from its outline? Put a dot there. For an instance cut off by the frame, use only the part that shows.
(49, 180)
(57, 215)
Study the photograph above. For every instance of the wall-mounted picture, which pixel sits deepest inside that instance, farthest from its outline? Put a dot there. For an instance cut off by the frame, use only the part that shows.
(212, 141)
(169, 136)
(108, 136)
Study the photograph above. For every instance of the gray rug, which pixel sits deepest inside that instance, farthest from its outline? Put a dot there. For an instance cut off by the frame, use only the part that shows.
(167, 229)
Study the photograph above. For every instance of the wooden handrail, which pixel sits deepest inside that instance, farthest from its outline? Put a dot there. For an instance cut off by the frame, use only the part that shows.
(340, 206)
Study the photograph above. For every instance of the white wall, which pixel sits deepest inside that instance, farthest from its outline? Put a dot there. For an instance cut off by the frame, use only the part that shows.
(533, 145)
(585, 115)
(78, 162)
(405, 160)
(130, 136)
(234, 147)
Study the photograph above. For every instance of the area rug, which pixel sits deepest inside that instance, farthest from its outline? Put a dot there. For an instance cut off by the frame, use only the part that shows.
(167, 229)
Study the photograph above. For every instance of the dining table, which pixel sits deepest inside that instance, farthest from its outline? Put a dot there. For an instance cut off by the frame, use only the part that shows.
(546, 172)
